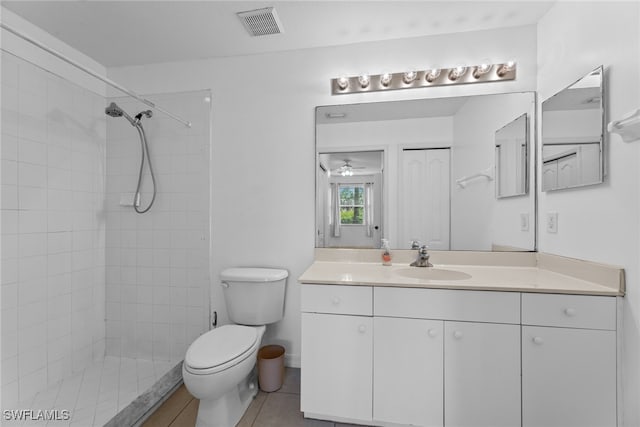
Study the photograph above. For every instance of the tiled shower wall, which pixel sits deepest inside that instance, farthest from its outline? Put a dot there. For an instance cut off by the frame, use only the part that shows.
(53, 228)
(157, 286)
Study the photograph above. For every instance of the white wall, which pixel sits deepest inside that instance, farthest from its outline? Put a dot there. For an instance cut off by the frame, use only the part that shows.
(599, 223)
(157, 286)
(53, 170)
(491, 220)
(25, 50)
(263, 109)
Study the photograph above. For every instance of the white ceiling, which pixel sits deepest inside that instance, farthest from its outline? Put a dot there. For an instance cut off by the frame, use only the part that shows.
(119, 33)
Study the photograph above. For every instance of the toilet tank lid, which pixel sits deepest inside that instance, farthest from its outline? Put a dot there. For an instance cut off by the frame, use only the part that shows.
(253, 274)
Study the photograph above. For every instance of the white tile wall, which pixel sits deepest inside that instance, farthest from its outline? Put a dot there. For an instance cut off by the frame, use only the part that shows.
(53, 225)
(157, 269)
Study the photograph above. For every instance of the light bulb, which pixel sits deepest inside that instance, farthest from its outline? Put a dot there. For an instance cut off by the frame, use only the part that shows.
(481, 69)
(385, 79)
(505, 68)
(456, 73)
(342, 82)
(432, 74)
(364, 80)
(409, 76)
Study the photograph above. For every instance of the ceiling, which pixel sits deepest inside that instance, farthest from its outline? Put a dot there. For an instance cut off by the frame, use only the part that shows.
(120, 33)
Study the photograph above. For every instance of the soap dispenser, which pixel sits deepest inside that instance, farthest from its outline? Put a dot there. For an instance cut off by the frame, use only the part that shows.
(386, 252)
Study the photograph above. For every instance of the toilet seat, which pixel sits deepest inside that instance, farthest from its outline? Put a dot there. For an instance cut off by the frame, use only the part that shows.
(220, 349)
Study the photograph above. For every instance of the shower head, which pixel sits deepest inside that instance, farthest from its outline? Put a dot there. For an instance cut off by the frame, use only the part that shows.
(114, 111)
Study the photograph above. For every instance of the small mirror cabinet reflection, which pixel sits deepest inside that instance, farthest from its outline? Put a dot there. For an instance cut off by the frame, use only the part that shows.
(512, 165)
(573, 135)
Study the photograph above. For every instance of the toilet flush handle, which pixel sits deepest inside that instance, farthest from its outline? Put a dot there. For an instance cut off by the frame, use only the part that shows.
(224, 284)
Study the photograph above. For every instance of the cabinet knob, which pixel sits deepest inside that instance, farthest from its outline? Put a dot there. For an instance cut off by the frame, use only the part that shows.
(362, 329)
(538, 340)
(432, 333)
(335, 300)
(570, 312)
(457, 335)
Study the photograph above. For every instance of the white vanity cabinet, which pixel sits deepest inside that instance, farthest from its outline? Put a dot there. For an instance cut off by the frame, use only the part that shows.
(337, 350)
(453, 357)
(568, 361)
(394, 356)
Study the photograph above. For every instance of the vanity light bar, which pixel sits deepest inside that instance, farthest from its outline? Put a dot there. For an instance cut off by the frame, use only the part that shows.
(483, 73)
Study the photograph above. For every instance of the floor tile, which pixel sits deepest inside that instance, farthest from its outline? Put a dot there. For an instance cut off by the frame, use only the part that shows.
(187, 418)
(291, 382)
(170, 409)
(253, 410)
(283, 410)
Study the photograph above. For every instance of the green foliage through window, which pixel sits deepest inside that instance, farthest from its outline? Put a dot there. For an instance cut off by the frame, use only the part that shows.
(351, 204)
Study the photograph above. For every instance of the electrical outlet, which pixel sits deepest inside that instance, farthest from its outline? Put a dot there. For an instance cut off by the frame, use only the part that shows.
(524, 221)
(552, 222)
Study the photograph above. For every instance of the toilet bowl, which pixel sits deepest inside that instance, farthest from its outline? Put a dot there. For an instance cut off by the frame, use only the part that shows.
(218, 367)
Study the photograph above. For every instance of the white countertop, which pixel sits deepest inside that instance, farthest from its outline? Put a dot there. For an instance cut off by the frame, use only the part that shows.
(483, 277)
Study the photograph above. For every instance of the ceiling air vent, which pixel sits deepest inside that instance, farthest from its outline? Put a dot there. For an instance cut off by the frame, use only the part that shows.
(261, 22)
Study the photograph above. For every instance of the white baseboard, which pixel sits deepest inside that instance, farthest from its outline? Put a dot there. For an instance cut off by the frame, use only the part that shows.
(292, 360)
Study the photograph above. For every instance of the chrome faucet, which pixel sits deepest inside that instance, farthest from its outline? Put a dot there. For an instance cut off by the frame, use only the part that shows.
(423, 258)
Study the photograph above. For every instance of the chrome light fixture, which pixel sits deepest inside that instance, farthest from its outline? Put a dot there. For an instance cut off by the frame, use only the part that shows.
(483, 73)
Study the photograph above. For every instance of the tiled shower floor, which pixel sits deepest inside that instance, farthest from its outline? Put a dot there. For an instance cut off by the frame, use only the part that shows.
(93, 396)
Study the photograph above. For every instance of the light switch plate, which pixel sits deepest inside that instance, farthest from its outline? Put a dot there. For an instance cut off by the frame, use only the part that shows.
(552, 222)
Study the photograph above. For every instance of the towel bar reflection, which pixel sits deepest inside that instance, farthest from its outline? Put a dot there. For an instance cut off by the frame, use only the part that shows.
(486, 173)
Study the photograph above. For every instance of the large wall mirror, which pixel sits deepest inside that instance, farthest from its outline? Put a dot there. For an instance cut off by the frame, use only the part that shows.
(573, 135)
(426, 170)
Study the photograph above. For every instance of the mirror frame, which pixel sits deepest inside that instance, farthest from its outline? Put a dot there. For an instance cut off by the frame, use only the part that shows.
(603, 135)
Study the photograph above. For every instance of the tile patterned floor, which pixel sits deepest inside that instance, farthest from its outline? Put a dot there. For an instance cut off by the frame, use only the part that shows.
(278, 409)
(97, 393)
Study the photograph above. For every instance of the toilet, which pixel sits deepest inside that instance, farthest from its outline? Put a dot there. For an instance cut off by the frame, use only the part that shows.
(219, 365)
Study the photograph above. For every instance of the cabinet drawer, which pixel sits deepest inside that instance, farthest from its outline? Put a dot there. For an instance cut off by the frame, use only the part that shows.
(446, 304)
(570, 311)
(337, 299)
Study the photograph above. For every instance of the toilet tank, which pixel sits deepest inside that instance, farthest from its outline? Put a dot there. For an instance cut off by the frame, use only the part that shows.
(254, 296)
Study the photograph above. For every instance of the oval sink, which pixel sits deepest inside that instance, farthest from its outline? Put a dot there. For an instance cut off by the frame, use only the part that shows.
(430, 273)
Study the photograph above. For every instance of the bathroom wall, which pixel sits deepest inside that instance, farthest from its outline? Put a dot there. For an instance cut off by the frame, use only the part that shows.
(600, 223)
(53, 178)
(157, 286)
(52, 268)
(263, 109)
(491, 221)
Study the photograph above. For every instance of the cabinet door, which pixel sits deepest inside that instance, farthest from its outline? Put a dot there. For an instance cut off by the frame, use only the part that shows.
(336, 366)
(481, 375)
(407, 371)
(550, 175)
(568, 377)
(568, 171)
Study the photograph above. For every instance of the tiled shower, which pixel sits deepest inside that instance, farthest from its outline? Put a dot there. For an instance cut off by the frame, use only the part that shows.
(88, 283)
